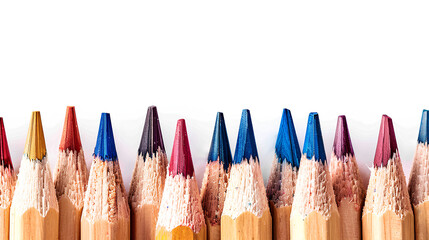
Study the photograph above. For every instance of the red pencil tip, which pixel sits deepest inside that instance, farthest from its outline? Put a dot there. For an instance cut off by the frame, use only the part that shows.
(5, 158)
(181, 159)
(70, 139)
(386, 145)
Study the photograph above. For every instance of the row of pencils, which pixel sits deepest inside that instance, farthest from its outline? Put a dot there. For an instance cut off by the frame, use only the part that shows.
(306, 198)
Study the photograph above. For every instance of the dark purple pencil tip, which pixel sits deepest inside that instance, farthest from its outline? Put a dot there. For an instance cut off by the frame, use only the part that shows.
(342, 142)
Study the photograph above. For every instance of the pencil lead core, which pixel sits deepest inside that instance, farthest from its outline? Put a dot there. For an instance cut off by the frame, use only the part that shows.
(5, 159)
(105, 148)
(70, 139)
(35, 146)
(313, 143)
(386, 145)
(287, 146)
(424, 128)
(181, 159)
(342, 142)
(246, 145)
(151, 138)
(220, 148)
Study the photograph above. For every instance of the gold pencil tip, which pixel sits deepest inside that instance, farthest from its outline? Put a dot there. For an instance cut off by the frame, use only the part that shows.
(35, 147)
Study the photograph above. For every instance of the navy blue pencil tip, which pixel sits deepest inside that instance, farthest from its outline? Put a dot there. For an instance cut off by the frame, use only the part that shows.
(287, 146)
(313, 143)
(424, 128)
(105, 148)
(246, 145)
(220, 148)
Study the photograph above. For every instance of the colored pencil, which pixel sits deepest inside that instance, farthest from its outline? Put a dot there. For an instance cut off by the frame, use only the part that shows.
(70, 178)
(148, 179)
(419, 181)
(246, 214)
(7, 183)
(34, 213)
(215, 181)
(105, 213)
(347, 182)
(387, 213)
(314, 212)
(181, 215)
(284, 173)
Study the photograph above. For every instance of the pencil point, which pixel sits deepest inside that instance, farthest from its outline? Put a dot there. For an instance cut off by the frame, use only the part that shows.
(70, 139)
(424, 128)
(220, 144)
(246, 145)
(5, 159)
(342, 142)
(151, 138)
(386, 145)
(287, 146)
(181, 159)
(105, 148)
(35, 147)
(313, 143)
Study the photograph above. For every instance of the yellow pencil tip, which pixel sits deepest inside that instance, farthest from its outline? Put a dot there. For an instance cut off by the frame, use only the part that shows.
(35, 147)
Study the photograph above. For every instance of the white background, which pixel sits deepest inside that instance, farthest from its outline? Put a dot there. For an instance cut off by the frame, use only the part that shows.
(194, 58)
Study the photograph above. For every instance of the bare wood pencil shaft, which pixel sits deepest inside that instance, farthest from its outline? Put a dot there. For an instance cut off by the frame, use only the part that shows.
(351, 220)
(387, 226)
(143, 222)
(315, 226)
(247, 226)
(213, 231)
(281, 222)
(421, 214)
(4, 223)
(103, 230)
(180, 233)
(32, 226)
(69, 219)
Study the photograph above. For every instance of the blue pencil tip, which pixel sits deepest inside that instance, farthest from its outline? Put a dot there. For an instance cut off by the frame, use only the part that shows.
(220, 144)
(287, 146)
(105, 148)
(313, 143)
(246, 145)
(424, 128)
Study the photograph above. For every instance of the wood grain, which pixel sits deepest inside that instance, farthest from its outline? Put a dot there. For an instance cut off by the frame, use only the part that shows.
(181, 233)
(69, 219)
(247, 226)
(421, 218)
(387, 226)
(143, 222)
(33, 226)
(103, 230)
(213, 231)
(4, 223)
(315, 226)
(281, 221)
(351, 220)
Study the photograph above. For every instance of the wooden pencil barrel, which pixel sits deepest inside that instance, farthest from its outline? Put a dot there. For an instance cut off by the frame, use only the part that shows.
(247, 226)
(4, 223)
(104, 230)
(315, 226)
(181, 233)
(387, 226)
(69, 228)
(143, 222)
(421, 217)
(351, 220)
(33, 226)
(213, 231)
(281, 222)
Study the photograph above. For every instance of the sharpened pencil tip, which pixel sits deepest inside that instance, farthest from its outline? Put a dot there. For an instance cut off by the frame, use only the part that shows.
(313, 143)
(181, 159)
(70, 139)
(151, 138)
(5, 159)
(35, 146)
(342, 142)
(105, 148)
(220, 148)
(246, 145)
(287, 146)
(424, 128)
(386, 146)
